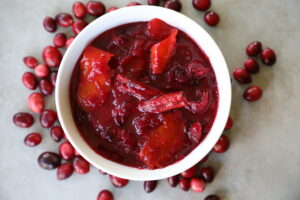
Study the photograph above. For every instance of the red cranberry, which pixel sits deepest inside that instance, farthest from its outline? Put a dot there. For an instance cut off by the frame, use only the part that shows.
(212, 197)
(105, 195)
(251, 65)
(208, 174)
(197, 184)
(185, 184)
(195, 132)
(211, 18)
(66, 151)
(253, 93)
(45, 86)
(53, 76)
(50, 24)
(30, 61)
(33, 139)
(253, 49)
(52, 56)
(222, 145)
(118, 182)
(78, 26)
(201, 5)
(241, 75)
(149, 186)
(59, 40)
(36, 102)
(64, 171)
(49, 160)
(268, 56)
(29, 80)
(42, 71)
(102, 172)
(23, 120)
(95, 8)
(48, 118)
(229, 123)
(64, 19)
(80, 165)
(57, 133)
(153, 2)
(69, 41)
(173, 180)
(173, 5)
(112, 9)
(191, 172)
(79, 10)
(133, 4)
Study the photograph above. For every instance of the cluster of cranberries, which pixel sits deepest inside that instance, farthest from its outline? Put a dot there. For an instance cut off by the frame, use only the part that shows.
(210, 17)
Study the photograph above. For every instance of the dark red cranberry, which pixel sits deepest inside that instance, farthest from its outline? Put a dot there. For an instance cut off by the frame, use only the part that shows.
(42, 71)
(173, 5)
(36, 102)
(78, 26)
(79, 10)
(211, 18)
(64, 171)
(268, 56)
(222, 145)
(105, 195)
(207, 173)
(153, 2)
(253, 93)
(149, 186)
(29, 80)
(251, 65)
(80, 165)
(253, 49)
(50, 24)
(45, 86)
(49, 160)
(191, 172)
(66, 151)
(48, 118)
(185, 184)
(241, 75)
(133, 4)
(201, 5)
(212, 197)
(229, 123)
(102, 172)
(197, 184)
(57, 133)
(195, 132)
(53, 76)
(112, 9)
(118, 182)
(59, 40)
(30, 61)
(95, 8)
(173, 180)
(23, 119)
(64, 19)
(69, 41)
(52, 56)
(33, 139)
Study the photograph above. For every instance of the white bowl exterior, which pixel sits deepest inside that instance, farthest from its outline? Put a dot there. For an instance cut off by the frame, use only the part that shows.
(138, 14)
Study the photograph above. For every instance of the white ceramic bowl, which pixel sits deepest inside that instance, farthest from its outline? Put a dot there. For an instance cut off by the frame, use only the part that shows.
(137, 14)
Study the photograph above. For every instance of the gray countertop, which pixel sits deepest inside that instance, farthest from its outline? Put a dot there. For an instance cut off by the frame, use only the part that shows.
(264, 158)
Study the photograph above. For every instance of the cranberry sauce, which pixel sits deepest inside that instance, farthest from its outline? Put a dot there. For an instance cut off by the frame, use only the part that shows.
(143, 94)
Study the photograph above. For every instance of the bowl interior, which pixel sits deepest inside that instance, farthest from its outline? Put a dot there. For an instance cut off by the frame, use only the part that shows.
(129, 15)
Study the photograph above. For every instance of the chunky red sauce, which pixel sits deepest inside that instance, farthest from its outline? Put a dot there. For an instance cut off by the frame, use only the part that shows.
(143, 94)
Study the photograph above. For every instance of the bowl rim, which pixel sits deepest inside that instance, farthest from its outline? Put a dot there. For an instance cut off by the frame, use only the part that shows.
(129, 15)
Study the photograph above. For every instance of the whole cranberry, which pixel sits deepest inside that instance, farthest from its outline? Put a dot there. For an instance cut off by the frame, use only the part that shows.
(80, 165)
(208, 174)
(191, 172)
(211, 18)
(197, 184)
(57, 133)
(185, 184)
(78, 26)
(79, 10)
(95, 8)
(64, 171)
(49, 24)
(241, 75)
(195, 132)
(201, 5)
(105, 195)
(251, 65)
(64, 19)
(118, 182)
(23, 119)
(52, 56)
(33, 139)
(268, 56)
(153, 2)
(42, 71)
(253, 93)
(48, 118)
(222, 145)
(29, 80)
(253, 49)
(30, 61)
(133, 4)
(66, 151)
(173, 180)
(36, 102)
(112, 9)
(69, 41)
(45, 86)
(149, 186)
(59, 40)
(49, 160)
(229, 123)
(173, 5)
(212, 197)
(53, 76)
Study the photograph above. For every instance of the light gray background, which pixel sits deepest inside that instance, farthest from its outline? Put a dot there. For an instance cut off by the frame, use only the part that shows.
(264, 158)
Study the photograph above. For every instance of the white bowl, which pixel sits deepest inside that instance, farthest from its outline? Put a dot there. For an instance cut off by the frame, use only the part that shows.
(129, 15)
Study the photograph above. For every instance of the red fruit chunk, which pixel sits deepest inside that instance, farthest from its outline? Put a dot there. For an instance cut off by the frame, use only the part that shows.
(49, 24)
(30, 61)
(222, 145)
(66, 151)
(201, 5)
(95, 8)
(53, 76)
(45, 86)
(105, 195)
(197, 70)
(48, 118)
(253, 49)
(112, 9)
(23, 119)
(80, 165)
(212, 197)
(52, 56)
(268, 56)
(185, 184)
(163, 103)
(29, 80)
(195, 132)
(79, 10)
(143, 123)
(149, 186)
(229, 123)
(57, 133)
(33, 139)
(42, 71)
(253, 93)
(36, 102)
(158, 29)
(162, 52)
(78, 26)
(164, 141)
(133, 4)
(173, 5)
(69, 41)
(64, 19)
(251, 65)
(173, 180)
(208, 174)
(153, 2)
(191, 172)
(118, 182)
(60, 40)
(197, 185)
(241, 75)
(199, 107)
(211, 18)
(136, 89)
(64, 171)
